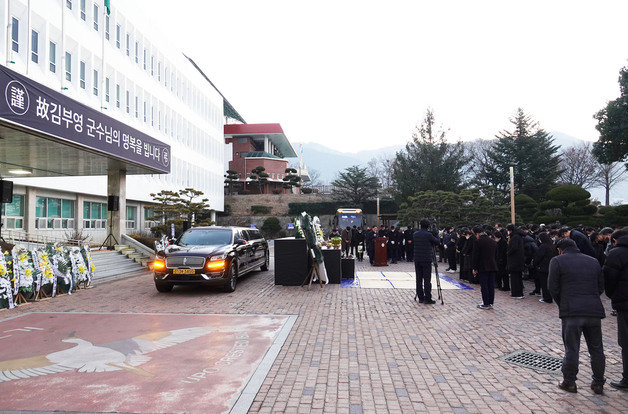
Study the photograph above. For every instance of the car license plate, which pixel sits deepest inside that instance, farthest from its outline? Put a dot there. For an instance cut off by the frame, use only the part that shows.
(183, 271)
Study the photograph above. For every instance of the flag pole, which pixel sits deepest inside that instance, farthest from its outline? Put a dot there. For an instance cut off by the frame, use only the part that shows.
(512, 196)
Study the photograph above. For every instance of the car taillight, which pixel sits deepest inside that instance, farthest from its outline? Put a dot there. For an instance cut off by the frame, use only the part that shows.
(215, 265)
(159, 264)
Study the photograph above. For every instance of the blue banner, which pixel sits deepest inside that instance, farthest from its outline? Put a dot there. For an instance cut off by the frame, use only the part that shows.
(32, 105)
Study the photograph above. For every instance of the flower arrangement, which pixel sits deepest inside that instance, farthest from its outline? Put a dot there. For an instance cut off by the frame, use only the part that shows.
(335, 242)
(6, 276)
(23, 270)
(298, 230)
(79, 269)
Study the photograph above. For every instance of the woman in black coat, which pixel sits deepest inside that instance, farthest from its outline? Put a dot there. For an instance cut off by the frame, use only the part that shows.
(541, 260)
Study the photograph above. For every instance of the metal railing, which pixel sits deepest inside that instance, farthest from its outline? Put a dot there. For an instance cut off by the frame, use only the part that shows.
(30, 240)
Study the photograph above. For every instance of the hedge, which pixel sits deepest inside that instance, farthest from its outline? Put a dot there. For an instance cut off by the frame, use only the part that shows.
(261, 210)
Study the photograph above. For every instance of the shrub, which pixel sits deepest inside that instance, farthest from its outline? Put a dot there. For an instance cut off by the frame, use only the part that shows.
(260, 210)
(306, 190)
(567, 193)
(271, 227)
(146, 241)
(622, 210)
(277, 191)
(550, 204)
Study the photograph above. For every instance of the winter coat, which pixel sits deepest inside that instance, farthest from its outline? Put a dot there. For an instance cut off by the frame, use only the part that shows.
(424, 243)
(501, 254)
(616, 274)
(542, 257)
(346, 236)
(483, 256)
(575, 282)
(529, 247)
(515, 254)
(467, 252)
(583, 242)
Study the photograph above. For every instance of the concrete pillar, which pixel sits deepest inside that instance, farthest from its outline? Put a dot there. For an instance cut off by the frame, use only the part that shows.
(78, 213)
(212, 216)
(116, 185)
(30, 205)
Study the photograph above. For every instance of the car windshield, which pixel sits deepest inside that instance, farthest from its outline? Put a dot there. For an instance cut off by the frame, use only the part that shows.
(205, 238)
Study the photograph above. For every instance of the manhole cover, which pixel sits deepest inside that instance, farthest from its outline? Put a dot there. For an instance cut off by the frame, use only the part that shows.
(535, 361)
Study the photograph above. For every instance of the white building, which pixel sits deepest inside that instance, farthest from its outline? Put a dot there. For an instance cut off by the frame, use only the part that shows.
(141, 82)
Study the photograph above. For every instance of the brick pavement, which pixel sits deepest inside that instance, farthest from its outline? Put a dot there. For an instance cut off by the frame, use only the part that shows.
(376, 350)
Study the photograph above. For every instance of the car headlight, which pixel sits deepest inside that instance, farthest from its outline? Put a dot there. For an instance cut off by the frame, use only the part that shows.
(218, 257)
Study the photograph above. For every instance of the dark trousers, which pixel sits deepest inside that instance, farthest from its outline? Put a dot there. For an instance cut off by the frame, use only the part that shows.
(622, 336)
(410, 252)
(423, 272)
(487, 286)
(371, 252)
(394, 253)
(516, 284)
(501, 280)
(537, 281)
(573, 329)
(451, 257)
(542, 276)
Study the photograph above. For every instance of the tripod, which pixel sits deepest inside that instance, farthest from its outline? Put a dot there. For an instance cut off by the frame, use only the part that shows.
(110, 237)
(438, 288)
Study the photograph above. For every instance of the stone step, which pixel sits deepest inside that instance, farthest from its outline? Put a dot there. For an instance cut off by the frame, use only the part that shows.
(119, 247)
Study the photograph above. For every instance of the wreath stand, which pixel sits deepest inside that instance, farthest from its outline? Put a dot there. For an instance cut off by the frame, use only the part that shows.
(312, 272)
(20, 299)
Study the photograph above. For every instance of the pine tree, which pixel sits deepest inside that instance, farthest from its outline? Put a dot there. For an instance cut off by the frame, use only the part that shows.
(530, 151)
(612, 125)
(355, 185)
(428, 162)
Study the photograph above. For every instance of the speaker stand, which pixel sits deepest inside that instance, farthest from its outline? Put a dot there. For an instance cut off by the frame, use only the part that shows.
(110, 238)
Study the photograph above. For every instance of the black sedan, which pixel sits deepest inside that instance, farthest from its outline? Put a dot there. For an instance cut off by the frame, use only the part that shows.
(211, 256)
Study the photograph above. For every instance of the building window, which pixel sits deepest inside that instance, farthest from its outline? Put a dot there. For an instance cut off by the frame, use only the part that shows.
(128, 44)
(54, 213)
(107, 26)
(152, 116)
(128, 102)
(152, 65)
(34, 46)
(144, 111)
(137, 107)
(107, 89)
(118, 36)
(68, 67)
(144, 59)
(15, 30)
(94, 215)
(95, 17)
(117, 96)
(52, 57)
(95, 82)
(166, 76)
(159, 71)
(82, 74)
(137, 52)
(68, 3)
(131, 217)
(83, 16)
(13, 213)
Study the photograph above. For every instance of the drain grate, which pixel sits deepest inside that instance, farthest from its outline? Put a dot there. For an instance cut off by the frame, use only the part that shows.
(535, 361)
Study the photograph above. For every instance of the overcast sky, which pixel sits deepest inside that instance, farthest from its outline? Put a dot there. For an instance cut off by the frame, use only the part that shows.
(360, 74)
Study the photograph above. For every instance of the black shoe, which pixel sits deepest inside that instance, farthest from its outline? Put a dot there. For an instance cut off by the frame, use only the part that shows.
(429, 302)
(613, 313)
(421, 300)
(597, 388)
(572, 388)
(621, 385)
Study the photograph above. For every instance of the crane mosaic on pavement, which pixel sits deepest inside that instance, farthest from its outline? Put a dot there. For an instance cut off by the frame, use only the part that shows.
(398, 280)
(137, 362)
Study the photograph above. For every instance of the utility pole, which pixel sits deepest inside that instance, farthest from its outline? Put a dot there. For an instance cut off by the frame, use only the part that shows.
(512, 196)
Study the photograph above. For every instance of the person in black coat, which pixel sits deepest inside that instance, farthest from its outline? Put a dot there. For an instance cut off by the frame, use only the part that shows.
(515, 261)
(424, 243)
(542, 257)
(465, 257)
(529, 250)
(407, 235)
(616, 281)
(485, 266)
(582, 241)
(451, 238)
(576, 283)
(501, 257)
(370, 244)
(359, 238)
(395, 241)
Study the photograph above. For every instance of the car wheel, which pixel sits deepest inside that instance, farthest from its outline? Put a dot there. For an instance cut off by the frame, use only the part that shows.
(264, 267)
(163, 287)
(232, 278)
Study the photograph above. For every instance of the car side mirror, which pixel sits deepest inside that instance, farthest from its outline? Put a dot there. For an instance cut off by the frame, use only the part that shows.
(240, 242)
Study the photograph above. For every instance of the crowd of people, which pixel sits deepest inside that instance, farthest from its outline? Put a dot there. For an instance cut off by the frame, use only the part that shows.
(570, 266)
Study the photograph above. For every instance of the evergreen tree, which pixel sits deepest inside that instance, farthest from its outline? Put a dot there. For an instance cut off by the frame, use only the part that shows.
(355, 185)
(612, 124)
(428, 162)
(530, 151)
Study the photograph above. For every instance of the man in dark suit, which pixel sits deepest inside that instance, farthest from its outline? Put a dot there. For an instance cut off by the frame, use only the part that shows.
(484, 265)
(575, 281)
(501, 281)
(370, 244)
(582, 241)
(407, 235)
(424, 243)
(515, 261)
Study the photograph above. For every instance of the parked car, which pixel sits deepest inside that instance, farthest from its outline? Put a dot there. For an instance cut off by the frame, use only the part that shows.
(211, 256)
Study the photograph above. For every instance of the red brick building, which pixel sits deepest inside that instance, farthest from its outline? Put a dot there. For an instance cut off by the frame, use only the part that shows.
(254, 145)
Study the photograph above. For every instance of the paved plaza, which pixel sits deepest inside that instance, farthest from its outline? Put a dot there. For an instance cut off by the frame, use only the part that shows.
(350, 350)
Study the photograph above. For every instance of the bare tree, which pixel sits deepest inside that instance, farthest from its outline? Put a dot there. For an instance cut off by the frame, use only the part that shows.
(477, 152)
(381, 167)
(609, 175)
(315, 178)
(578, 166)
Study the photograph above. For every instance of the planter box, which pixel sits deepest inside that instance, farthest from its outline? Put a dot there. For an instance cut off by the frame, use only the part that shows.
(291, 261)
